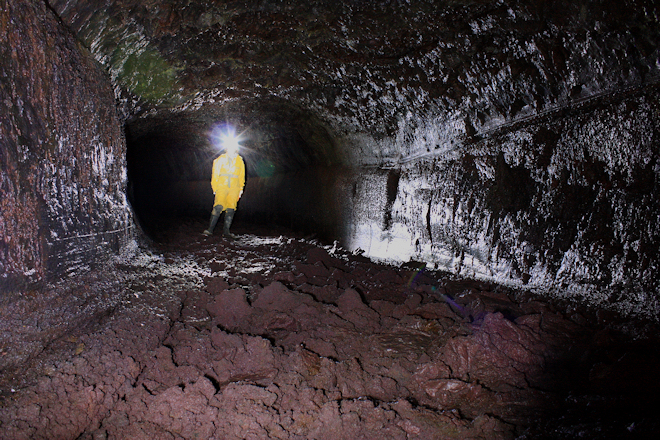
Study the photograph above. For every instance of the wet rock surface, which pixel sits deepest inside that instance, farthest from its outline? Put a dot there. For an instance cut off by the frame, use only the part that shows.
(280, 337)
(63, 206)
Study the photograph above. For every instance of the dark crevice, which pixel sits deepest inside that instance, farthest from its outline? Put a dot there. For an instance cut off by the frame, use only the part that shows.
(429, 230)
(391, 188)
(214, 381)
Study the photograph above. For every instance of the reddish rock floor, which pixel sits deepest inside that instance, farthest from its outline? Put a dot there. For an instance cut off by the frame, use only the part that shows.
(277, 337)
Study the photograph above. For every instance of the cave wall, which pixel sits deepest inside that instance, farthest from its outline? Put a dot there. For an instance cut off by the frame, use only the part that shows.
(522, 147)
(62, 189)
(569, 205)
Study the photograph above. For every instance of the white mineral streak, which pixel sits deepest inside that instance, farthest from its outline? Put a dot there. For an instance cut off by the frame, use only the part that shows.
(86, 203)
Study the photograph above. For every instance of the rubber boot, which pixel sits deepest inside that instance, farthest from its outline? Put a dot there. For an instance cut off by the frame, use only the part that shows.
(215, 216)
(229, 216)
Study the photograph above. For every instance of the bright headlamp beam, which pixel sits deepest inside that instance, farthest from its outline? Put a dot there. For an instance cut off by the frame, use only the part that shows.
(230, 142)
(225, 138)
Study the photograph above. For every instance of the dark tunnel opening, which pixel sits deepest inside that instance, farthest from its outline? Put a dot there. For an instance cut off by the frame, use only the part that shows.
(291, 169)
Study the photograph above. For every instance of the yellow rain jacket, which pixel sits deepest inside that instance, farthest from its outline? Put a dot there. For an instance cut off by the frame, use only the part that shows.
(228, 180)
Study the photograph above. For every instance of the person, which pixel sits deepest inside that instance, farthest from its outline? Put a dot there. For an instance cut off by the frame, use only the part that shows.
(227, 181)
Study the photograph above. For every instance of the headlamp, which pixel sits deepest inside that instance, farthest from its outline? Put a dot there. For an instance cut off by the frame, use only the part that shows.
(230, 143)
(225, 138)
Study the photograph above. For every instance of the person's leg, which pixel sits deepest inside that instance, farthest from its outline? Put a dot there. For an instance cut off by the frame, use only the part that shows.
(229, 217)
(215, 216)
(232, 202)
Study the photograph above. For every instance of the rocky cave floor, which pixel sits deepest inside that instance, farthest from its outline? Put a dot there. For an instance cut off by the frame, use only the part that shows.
(278, 337)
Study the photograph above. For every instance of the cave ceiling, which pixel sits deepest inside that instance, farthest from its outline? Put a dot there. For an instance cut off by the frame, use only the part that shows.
(369, 68)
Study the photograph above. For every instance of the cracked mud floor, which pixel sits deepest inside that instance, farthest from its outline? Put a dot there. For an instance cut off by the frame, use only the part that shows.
(278, 337)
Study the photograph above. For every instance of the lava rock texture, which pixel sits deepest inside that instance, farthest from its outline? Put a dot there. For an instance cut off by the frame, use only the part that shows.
(275, 337)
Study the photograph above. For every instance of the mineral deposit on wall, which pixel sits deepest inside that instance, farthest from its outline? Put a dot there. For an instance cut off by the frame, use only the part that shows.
(63, 152)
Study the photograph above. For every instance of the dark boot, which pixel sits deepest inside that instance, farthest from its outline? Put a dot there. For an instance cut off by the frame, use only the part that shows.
(229, 217)
(215, 216)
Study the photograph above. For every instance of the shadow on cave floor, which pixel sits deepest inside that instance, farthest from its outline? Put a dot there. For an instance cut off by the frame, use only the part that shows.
(178, 229)
(275, 336)
(175, 231)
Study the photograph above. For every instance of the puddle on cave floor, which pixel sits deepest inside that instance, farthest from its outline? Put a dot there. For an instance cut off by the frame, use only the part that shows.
(277, 336)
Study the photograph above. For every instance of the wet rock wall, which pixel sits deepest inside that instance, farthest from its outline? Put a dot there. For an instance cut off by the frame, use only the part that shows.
(567, 205)
(476, 67)
(62, 155)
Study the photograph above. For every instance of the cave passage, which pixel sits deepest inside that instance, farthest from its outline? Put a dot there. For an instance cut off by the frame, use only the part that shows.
(291, 168)
(469, 201)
